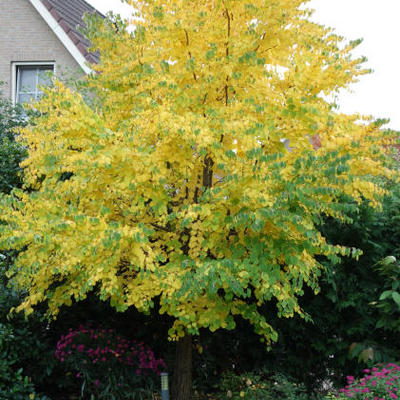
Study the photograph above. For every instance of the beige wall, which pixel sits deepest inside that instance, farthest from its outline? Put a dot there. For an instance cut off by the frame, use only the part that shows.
(25, 36)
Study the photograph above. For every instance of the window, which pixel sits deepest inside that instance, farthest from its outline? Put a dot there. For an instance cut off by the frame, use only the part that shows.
(28, 78)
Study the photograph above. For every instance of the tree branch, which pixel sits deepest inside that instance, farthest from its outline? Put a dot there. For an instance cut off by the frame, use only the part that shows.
(190, 54)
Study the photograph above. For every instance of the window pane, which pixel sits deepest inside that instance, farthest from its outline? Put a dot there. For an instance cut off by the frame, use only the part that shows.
(25, 98)
(45, 76)
(29, 77)
(27, 80)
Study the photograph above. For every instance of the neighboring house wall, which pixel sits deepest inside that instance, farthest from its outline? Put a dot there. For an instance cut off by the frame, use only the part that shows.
(26, 37)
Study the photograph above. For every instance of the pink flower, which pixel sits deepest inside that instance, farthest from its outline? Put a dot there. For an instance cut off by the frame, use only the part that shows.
(81, 348)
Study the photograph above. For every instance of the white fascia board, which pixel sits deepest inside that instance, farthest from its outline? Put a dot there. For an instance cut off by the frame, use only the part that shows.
(60, 33)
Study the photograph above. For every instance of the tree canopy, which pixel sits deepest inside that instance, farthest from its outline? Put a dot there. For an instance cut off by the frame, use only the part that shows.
(190, 178)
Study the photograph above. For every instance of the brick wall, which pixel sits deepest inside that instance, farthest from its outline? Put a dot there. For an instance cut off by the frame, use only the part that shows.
(25, 36)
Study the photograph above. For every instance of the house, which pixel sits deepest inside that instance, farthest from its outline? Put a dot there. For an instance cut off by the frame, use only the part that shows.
(37, 36)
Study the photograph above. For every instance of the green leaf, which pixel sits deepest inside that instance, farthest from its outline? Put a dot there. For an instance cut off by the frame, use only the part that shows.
(385, 295)
(396, 298)
(388, 260)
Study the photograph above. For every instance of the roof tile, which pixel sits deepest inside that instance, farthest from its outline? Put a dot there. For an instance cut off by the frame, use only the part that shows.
(69, 14)
(65, 26)
(73, 37)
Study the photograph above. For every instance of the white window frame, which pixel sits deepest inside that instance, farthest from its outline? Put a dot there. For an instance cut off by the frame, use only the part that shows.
(14, 74)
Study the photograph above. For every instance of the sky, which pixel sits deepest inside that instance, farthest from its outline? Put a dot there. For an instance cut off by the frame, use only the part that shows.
(377, 94)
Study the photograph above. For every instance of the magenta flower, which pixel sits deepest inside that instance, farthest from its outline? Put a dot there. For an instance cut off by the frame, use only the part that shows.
(129, 360)
(380, 383)
(81, 348)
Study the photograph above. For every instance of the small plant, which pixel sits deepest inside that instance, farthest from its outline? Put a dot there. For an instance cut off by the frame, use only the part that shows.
(108, 365)
(259, 386)
(14, 385)
(248, 386)
(333, 396)
(378, 384)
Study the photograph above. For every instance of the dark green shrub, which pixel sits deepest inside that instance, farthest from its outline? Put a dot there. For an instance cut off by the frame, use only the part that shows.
(344, 335)
(261, 386)
(23, 344)
(11, 152)
(13, 385)
(388, 304)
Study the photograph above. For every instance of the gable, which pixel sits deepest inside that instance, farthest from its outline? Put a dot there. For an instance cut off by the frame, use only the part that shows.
(26, 37)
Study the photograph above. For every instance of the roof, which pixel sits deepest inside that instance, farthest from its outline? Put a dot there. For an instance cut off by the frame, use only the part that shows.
(68, 14)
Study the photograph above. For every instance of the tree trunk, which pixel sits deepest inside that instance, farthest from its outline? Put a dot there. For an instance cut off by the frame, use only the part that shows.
(182, 378)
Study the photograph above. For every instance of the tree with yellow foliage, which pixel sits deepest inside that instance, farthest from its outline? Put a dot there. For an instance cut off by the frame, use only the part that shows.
(172, 180)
